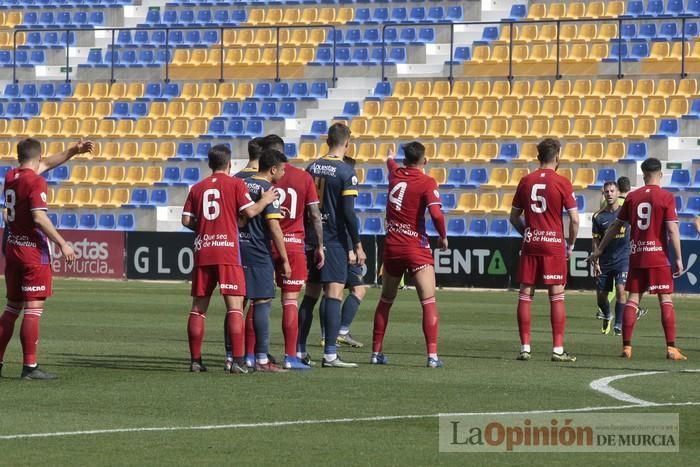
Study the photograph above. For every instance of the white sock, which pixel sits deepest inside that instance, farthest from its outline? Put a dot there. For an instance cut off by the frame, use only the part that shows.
(344, 331)
(262, 359)
(525, 348)
(300, 354)
(329, 357)
(433, 356)
(558, 350)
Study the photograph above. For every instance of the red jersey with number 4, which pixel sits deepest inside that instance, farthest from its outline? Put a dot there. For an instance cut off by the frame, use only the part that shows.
(214, 203)
(410, 193)
(297, 190)
(543, 195)
(25, 191)
(647, 210)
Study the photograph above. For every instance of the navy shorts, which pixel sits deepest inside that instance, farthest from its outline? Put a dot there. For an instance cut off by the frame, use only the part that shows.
(259, 280)
(607, 277)
(335, 267)
(355, 276)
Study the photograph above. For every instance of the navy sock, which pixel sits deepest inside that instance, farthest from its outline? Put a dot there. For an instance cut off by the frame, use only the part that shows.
(261, 323)
(227, 338)
(322, 316)
(619, 313)
(350, 307)
(306, 317)
(604, 306)
(331, 324)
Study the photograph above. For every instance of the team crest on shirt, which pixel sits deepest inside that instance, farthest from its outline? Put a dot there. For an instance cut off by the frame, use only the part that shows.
(354, 180)
(437, 195)
(276, 204)
(43, 196)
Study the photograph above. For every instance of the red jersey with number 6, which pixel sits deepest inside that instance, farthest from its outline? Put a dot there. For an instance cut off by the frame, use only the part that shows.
(214, 203)
(410, 193)
(647, 210)
(297, 190)
(25, 192)
(543, 195)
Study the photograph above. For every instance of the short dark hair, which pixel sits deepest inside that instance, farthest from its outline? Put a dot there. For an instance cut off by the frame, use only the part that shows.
(413, 152)
(623, 183)
(255, 149)
(273, 142)
(338, 134)
(28, 149)
(547, 150)
(610, 182)
(269, 159)
(651, 165)
(219, 157)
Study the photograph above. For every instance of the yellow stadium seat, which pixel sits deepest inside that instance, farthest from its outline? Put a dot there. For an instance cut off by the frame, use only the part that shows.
(151, 175)
(447, 152)
(551, 106)
(13, 18)
(556, 11)
(365, 152)
(70, 127)
(62, 197)
(129, 150)
(635, 106)
(102, 109)
(584, 177)
(49, 109)
(360, 175)
(687, 87)
(592, 107)
(614, 151)
(117, 91)
(429, 109)
(606, 33)
(251, 56)
(656, 107)
(547, 34)
(477, 128)
(487, 203)
(500, 89)
(244, 91)
(416, 127)
(197, 127)
(469, 107)
(562, 88)
(410, 108)
(115, 175)
(481, 54)
(466, 202)
(99, 91)
(505, 205)
(521, 34)
(582, 128)
(644, 88)
(78, 174)
(373, 108)
(345, 14)
(100, 198)
(659, 52)
(539, 128)
(65, 110)
(582, 88)
(500, 54)
(359, 126)
(268, 56)
(497, 129)
(592, 152)
(560, 127)
(379, 127)
(439, 174)
(255, 17)
(383, 150)
(211, 109)
(43, 128)
(192, 109)
(97, 174)
(531, 107)
(397, 128)
(665, 88)
(181, 57)
(481, 89)
(520, 89)
(677, 107)
(288, 55)
(510, 108)
(6, 150)
(230, 37)
(421, 89)
(134, 174)
(515, 176)
(567, 173)
(576, 10)
(537, 54)
(327, 15)
(487, 152)
(305, 55)
(577, 53)
(134, 91)
(602, 128)
(458, 127)
(488, 107)
(614, 9)
(142, 129)
(84, 110)
(436, 128)
(147, 151)
(402, 89)
(81, 91)
(571, 152)
(613, 107)
(291, 16)
(309, 16)
(537, 11)
(624, 126)
(461, 89)
(159, 128)
(645, 127)
(307, 151)
(623, 87)
(497, 178)
(119, 197)
(465, 152)
(519, 127)
(570, 107)
(568, 32)
(602, 88)
(441, 90)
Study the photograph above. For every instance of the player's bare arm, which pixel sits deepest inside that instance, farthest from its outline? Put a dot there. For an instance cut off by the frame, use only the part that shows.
(516, 220)
(81, 147)
(574, 223)
(41, 219)
(267, 197)
(675, 237)
(439, 221)
(596, 265)
(189, 222)
(314, 214)
(612, 231)
(697, 223)
(278, 240)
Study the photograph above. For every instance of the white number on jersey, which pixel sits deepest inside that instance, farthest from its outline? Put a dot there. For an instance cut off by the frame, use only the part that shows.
(643, 216)
(10, 200)
(210, 206)
(395, 199)
(540, 203)
(293, 199)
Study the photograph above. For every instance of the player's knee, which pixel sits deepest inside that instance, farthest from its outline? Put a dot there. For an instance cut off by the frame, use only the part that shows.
(387, 299)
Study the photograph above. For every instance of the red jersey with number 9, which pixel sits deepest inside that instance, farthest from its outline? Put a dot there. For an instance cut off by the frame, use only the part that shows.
(647, 210)
(543, 195)
(214, 203)
(410, 193)
(297, 190)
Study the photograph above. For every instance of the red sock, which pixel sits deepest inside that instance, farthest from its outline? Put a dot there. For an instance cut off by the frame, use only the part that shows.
(29, 334)
(558, 318)
(668, 320)
(431, 322)
(381, 319)
(195, 333)
(250, 330)
(524, 317)
(7, 327)
(236, 331)
(628, 321)
(290, 326)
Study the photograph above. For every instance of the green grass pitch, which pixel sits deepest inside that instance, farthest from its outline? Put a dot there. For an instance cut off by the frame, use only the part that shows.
(120, 349)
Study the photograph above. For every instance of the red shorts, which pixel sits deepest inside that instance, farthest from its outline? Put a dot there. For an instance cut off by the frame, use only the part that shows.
(297, 262)
(652, 280)
(27, 282)
(398, 260)
(230, 278)
(542, 270)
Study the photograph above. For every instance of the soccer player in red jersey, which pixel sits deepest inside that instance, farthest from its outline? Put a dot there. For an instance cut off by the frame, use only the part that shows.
(651, 213)
(211, 211)
(542, 196)
(406, 247)
(25, 245)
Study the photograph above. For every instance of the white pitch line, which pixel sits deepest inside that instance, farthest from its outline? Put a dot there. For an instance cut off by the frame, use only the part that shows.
(603, 385)
(322, 421)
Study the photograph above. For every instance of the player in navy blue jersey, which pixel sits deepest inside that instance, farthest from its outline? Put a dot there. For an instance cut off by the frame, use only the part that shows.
(613, 265)
(336, 183)
(256, 237)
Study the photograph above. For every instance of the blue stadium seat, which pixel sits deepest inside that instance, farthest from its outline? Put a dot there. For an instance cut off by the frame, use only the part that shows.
(693, 8)
(668, 31)
(87, 221)
(290, 150)
(280, 90)
(680, 178)
(695, 186)
(477, 228)
(430, 228)
(13, 110)
(286, 110)
(456, 177)
(46, 18)
(417, 14)
(477, 177)
(399, 15)
(691, 29)
(171, 91)
(68, 221)
(408, 35)
(456, 13)
(324, 55)
(204, 17)
(350, 109)
(628, 31)
(436, 14)
(639, 50)
(249, 109)
(373, 226)
(124, 38)
(508, 151)
(637, 151)
(604, 175)
(254, 128)
(675, 7)
(449, 201)
(397, 55)
(375, 177)
(193, 38)
(171, 175)
(210, 38)
(499, 228)
(391, 36)
(106, 222)
(380, 15)
(153, 92)
(692, 205)
(159, 197)
(231, 109)
(3, 170)
(426, 35)
(679, 204)
(139, 198)
(203, 150)
(688, 231)
(457, 227)
(11, 92)
(47, 91)
(461, 55)
(380, 202)
(635, 9)
(668, 127)
(97, 18)
(60, 173)
(490, 33)
(581, 203)
(382, 89)
(269, 110)
(318, 128)
(363, 201)
(360, 55)
(238, 16)
(262, 90)
(353, 36)
(190, 175)
(137, 110)
(217, 128)
(618, 50)
(185, 151)
(126, 222)
(655, 8)
(54, 218)
(517, 11)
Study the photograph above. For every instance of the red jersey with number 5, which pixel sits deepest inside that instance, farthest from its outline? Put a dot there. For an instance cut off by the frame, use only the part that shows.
(410, 193)
(25, 192)
(297, 190)
(647, 210)
(214, 203)
(543, 195)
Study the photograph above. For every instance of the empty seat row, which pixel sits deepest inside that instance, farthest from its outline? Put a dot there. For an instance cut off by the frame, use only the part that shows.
(85, 221)
(106, 197)
(456, 227)
(231, 37)
(571, 10)
(382, 15)
(253, 17)
(360, 55)
(24, 58)
(392, 36)
(660, 9)
(540, 53)
(49, 19)
(681, 179)
(108, 128)
(10, 19)
(114, 175)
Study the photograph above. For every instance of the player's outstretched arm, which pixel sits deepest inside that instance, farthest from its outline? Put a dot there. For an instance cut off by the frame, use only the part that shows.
(516, 220)
(189, 222)
(267, 197)
(612, 231)
(278, 240)
(574, 223)
(314, 214)
(675, 237)
(41, 219)
(81, 147)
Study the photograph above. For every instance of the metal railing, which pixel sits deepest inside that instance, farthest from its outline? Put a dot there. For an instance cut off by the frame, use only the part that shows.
(168, 46)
